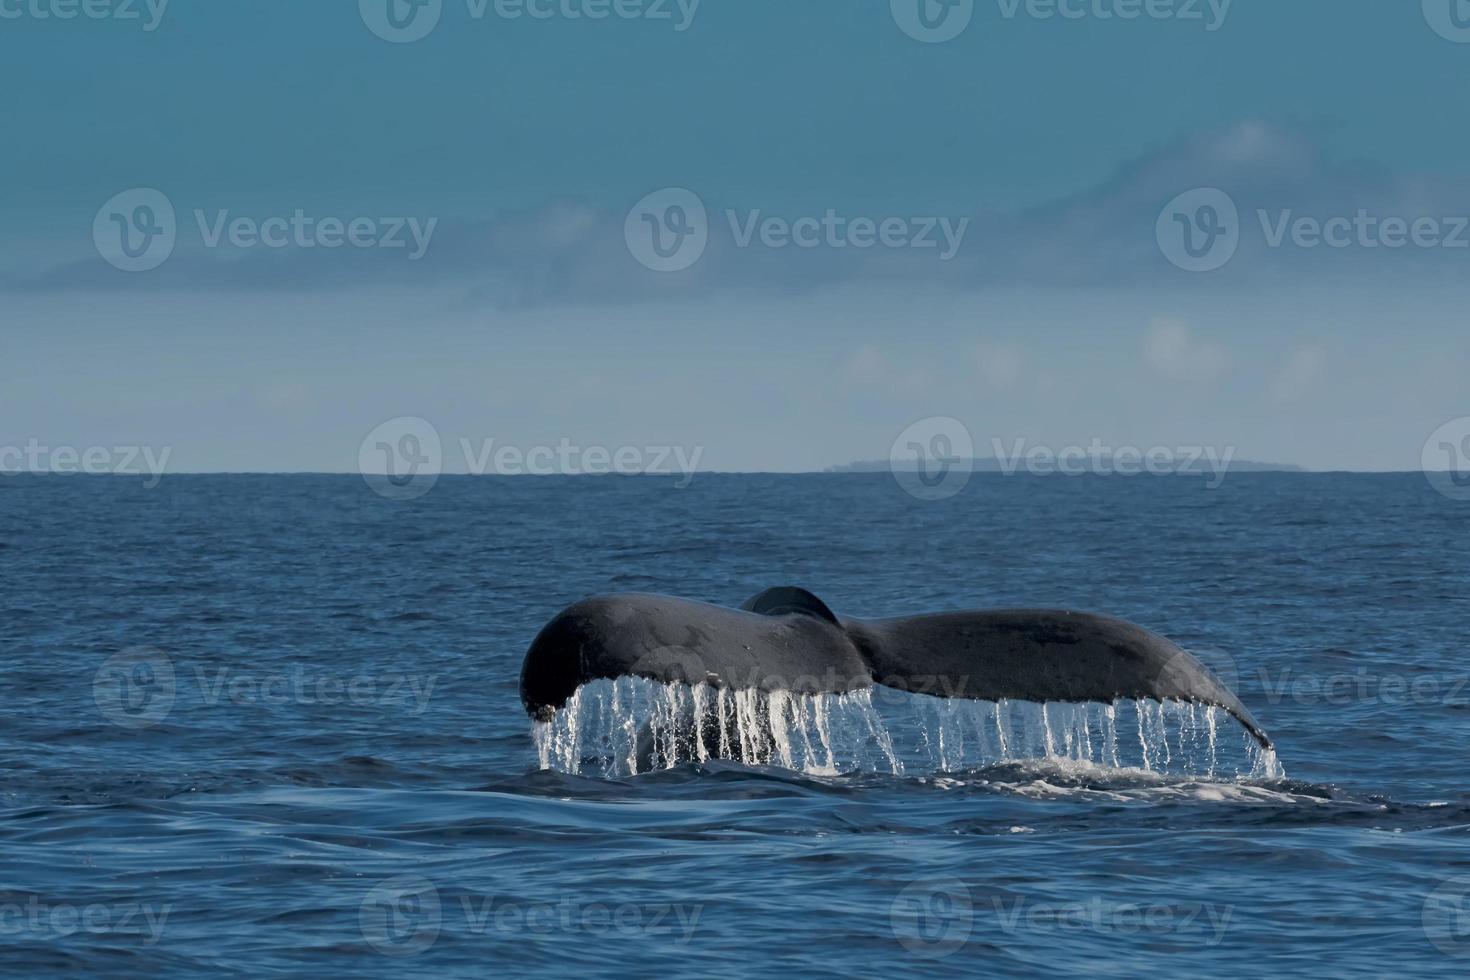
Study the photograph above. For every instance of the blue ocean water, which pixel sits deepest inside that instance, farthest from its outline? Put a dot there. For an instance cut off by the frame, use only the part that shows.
(269, 726)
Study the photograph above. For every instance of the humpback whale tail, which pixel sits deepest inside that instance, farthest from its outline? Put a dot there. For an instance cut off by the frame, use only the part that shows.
(788, 639)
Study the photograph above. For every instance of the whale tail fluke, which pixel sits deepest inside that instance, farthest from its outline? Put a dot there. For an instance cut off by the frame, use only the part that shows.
(788, 639)
(1041, 655)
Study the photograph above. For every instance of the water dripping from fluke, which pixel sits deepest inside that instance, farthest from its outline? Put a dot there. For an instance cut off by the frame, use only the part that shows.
(628, 726)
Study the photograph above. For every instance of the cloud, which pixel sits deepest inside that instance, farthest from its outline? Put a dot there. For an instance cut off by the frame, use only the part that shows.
(1000, 365)
(1171, 349)
(571, 252)
(869, 368)
(865, 366)
(286, 398)
(1298, 374)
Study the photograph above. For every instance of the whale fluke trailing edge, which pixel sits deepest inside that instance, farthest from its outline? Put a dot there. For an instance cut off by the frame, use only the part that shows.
(788, 639)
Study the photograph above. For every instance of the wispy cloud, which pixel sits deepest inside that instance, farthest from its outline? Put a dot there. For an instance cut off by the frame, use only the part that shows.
(573, 252)
(1172, 350)
(1300, 372)
(1001, 365)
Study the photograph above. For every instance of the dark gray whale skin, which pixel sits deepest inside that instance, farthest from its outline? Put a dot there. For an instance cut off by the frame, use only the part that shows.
(787, 639)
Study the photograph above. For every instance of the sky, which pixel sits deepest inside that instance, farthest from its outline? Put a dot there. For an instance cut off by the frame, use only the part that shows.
(778, 233)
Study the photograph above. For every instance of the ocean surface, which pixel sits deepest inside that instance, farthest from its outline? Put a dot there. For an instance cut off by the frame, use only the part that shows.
(269, 726)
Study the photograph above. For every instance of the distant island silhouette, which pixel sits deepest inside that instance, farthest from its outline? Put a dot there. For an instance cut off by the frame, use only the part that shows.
(992, 465)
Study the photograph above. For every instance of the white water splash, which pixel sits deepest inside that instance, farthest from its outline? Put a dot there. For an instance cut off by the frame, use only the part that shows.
(631, 725)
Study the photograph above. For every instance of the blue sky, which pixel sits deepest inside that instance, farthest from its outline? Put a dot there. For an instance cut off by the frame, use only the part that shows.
(526, 141)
